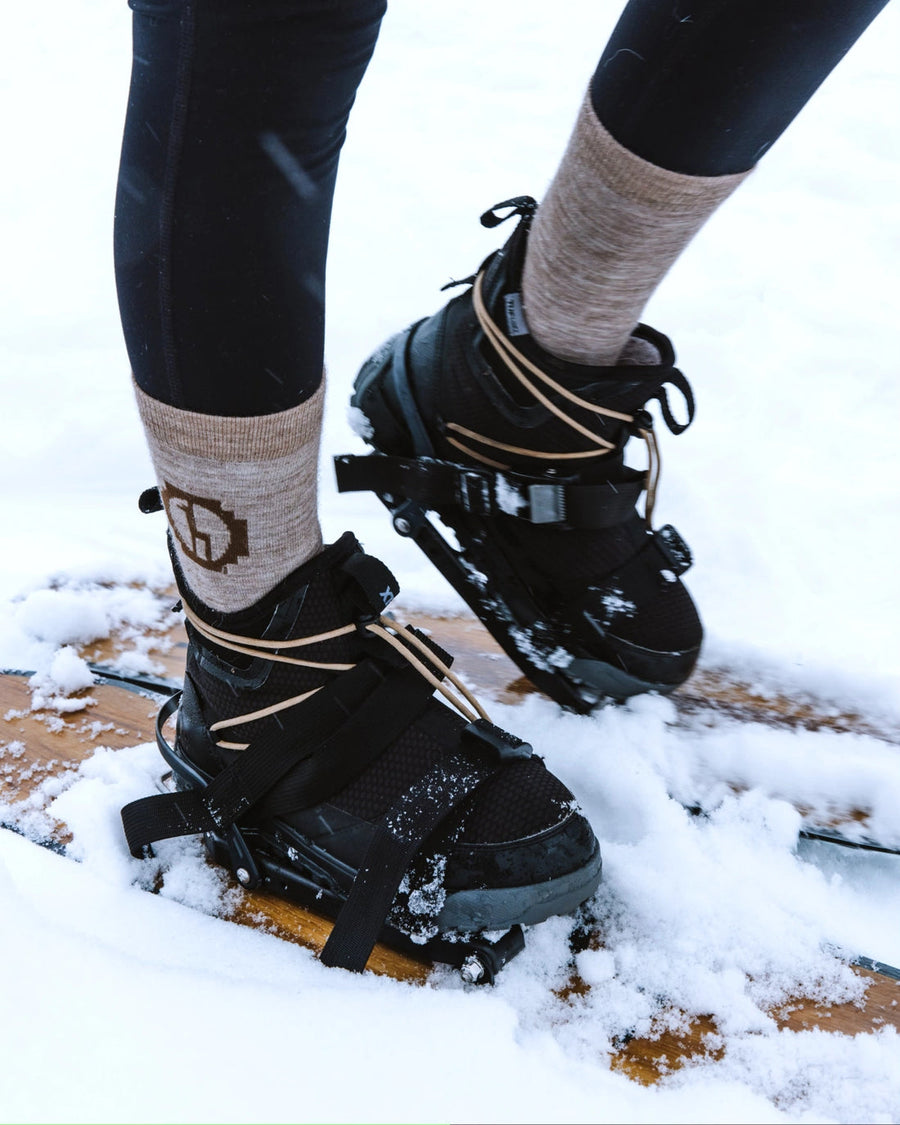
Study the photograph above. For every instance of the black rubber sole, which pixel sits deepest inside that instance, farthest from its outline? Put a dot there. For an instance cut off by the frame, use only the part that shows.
(281, 861)
(500, 908)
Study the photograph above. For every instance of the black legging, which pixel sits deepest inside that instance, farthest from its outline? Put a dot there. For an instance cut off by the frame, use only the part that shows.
(705, 87)
(236, 118)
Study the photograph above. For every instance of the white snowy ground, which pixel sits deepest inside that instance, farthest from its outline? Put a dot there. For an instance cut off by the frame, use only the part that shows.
(120, 1006)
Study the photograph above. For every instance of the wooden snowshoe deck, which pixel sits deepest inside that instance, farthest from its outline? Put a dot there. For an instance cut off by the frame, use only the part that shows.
(37, 744)
(714, 692)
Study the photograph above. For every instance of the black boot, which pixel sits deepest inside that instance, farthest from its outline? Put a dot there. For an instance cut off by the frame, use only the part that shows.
(522, 457)
(313, 753)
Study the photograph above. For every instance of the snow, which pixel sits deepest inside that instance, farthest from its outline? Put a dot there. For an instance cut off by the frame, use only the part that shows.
(509, 498)
(122, 1006)
(359, 423)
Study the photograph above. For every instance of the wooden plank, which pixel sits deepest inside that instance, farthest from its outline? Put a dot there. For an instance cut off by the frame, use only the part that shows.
(713, 691)
(115, 717)
(36, 744)
(649, 1058)
(708, 696)
(166, 647)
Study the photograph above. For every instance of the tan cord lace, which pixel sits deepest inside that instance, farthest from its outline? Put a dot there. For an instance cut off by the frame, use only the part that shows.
(404, 641)
(521, 367)
(654, 469)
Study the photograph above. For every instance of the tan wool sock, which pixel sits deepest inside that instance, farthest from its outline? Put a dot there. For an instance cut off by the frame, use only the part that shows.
(239, 494)
(606, 234)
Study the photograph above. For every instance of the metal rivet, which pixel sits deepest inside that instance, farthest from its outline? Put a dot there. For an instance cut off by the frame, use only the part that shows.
(472, 970)
(402, 526)
(243, 875)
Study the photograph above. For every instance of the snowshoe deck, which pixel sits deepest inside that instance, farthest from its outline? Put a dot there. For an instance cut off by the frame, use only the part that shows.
(711, 692)
(713, 695)
(39, 744)
(648, 1059)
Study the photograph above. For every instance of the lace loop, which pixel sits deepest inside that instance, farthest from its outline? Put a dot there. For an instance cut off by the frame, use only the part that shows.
(677, 379)
(524, 205)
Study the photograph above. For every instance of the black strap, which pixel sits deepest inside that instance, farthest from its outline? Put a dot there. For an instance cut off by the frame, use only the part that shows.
(396, 841)
(161, 817)
(523, 205)
(677, 379)
(360, 739)
(483, 750)
(440, 485)
(305, 735)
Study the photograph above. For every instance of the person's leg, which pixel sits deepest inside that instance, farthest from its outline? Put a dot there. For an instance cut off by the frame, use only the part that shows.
(542, 371)
(309, 748)
(685, 99)
(236, 117)
(706, 88)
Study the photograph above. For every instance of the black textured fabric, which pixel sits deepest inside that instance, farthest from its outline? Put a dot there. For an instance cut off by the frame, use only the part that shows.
(236, 117)
(567, 559)
(705, 88)
(309, 592)
(373, 792)
(457, 379)
(521, 801)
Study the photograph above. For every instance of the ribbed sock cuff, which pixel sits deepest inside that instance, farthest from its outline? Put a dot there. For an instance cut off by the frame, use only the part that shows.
(610, 227)
(240, 495)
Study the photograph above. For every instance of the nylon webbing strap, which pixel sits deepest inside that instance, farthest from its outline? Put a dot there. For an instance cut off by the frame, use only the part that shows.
(359, 741)
(222, 802)
(677, 379)
(163, 816)
(441, 484)
(397, 839)
(284, 740)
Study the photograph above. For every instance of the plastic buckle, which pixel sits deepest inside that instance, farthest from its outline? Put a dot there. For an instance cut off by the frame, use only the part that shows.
(475, 494)
(504, 745)
(546, 503)
(674, 549)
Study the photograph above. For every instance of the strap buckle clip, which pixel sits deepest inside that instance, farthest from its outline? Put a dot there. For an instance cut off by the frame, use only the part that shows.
(673, 548)
(546, 503)
(475, 494)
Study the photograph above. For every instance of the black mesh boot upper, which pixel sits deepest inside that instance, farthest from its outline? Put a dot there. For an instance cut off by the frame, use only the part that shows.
(515, 828)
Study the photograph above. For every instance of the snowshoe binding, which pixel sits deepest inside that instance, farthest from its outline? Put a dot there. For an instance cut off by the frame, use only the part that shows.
(314, 755)
(522, 457)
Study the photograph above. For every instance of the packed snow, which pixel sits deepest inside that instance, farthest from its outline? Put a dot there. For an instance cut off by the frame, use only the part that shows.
(125, 1006)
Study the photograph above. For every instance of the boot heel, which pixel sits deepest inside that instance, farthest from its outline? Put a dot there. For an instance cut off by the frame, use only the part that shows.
(382, 393)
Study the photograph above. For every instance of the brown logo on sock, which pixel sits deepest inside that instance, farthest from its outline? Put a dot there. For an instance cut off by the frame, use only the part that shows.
(210, 535)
